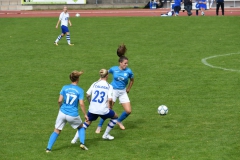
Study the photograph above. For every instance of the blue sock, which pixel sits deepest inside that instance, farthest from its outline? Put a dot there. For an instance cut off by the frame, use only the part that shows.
(123, 116)
(101, 122)
(52, 140)
(81, 135)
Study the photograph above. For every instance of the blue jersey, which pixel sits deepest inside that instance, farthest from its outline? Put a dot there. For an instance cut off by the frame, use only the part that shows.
(71, 96)
(120, 77)
(177, 2)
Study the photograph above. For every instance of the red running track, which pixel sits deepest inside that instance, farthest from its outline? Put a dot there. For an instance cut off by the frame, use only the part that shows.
(112, 13)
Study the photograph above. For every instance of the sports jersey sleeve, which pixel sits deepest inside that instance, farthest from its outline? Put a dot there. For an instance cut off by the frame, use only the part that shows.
(81, 94)
(89, 91)
(130, 74)
(110, 70)
(110, 92)
(62, 91)
(61, 16)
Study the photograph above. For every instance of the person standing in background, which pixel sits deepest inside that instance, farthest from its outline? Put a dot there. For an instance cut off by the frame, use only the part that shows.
(188, 6)
(220, 3)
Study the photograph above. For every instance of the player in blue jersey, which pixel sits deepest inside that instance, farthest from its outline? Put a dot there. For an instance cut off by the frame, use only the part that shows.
(121, 76)
(100, 98)
(202, 6)
(64, 19)
(70, 96)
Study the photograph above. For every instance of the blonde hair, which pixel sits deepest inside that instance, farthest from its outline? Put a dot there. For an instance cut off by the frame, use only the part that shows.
(103, 73)
(74, 76)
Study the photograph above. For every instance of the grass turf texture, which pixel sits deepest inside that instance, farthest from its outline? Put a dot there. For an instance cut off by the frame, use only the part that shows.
(165, 55)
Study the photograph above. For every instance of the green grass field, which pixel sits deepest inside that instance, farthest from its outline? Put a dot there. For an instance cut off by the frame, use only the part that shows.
(165, 55)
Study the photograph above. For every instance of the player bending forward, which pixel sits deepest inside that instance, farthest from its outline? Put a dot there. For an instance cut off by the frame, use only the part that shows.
(100, 105)
(64, 19)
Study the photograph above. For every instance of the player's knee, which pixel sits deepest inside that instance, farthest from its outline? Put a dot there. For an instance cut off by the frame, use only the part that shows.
(129, 111)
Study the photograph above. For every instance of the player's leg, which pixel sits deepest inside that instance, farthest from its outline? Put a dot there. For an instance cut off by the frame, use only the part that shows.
(222, 7)
(68, 38)
(124, 100)
(115, 96)
(111, 124)
(81, 131)
(61, 35)
(217, 9)
(60, 123)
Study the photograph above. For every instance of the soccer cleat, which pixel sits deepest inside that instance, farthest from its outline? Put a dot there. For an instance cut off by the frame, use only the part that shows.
(108, 136)
(98, 130)
(83, 147)
(48, 150)
(70, 44)
(121, 125)
(73, 141)
(202, 13)
(56, 43)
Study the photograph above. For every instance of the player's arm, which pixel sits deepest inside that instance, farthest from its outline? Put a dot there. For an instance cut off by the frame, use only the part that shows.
(81, 103)
(69, 22)
(60, 100)
(58, 23)
(130, 85)
(110, 95)
(89, 98)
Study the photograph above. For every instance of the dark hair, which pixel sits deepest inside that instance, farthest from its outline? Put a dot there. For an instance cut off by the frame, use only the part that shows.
(122, 58)
(74, 76)
(122, 49)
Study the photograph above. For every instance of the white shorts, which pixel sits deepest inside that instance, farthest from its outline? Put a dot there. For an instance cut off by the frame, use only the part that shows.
(121, 94)
(62, 119)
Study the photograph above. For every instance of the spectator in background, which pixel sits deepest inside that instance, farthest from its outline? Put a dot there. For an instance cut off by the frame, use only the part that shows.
(220, 3)
(202, 6)
(188, 6)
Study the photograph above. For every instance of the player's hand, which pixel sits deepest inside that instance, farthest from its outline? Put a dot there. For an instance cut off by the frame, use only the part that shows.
(86, 117)
(56, 26)
(128, 90)
(70, 24)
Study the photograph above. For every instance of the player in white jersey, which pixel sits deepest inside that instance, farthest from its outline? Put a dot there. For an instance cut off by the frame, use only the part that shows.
(64, 19)
(100, 98)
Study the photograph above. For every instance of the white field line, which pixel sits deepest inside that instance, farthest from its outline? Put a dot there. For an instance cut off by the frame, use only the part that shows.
(204, 61)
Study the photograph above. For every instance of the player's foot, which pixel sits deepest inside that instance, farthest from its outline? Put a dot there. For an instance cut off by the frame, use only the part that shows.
(73, 141)
(98, 130)
(48, 150)
(70, 44)
(82, 146)
(121, 125)
(56, 43)
(108, 136)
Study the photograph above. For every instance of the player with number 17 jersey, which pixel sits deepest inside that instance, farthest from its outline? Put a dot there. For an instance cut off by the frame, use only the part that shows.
(71, 96)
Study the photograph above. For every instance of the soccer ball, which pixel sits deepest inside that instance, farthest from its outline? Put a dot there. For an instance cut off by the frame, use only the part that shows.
(77, 15)
(162, 110)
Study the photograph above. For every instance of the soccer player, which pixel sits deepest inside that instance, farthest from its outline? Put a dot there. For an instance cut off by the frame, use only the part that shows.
(121, 75)
(64, 19)
(99, 96)
(70, 96)
(177, 6)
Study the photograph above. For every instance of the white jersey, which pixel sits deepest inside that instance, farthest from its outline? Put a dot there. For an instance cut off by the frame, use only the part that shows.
(100, 92)
(64, 17)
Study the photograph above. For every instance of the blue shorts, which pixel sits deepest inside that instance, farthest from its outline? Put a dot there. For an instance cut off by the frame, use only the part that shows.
(93, 117)
(64, 29)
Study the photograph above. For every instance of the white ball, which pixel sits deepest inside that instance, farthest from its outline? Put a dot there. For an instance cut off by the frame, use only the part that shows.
(162, 110)
(77, 15)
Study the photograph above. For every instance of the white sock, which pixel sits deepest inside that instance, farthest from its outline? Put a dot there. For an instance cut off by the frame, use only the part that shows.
(110, 126)
(58, 38)
(75, 137)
